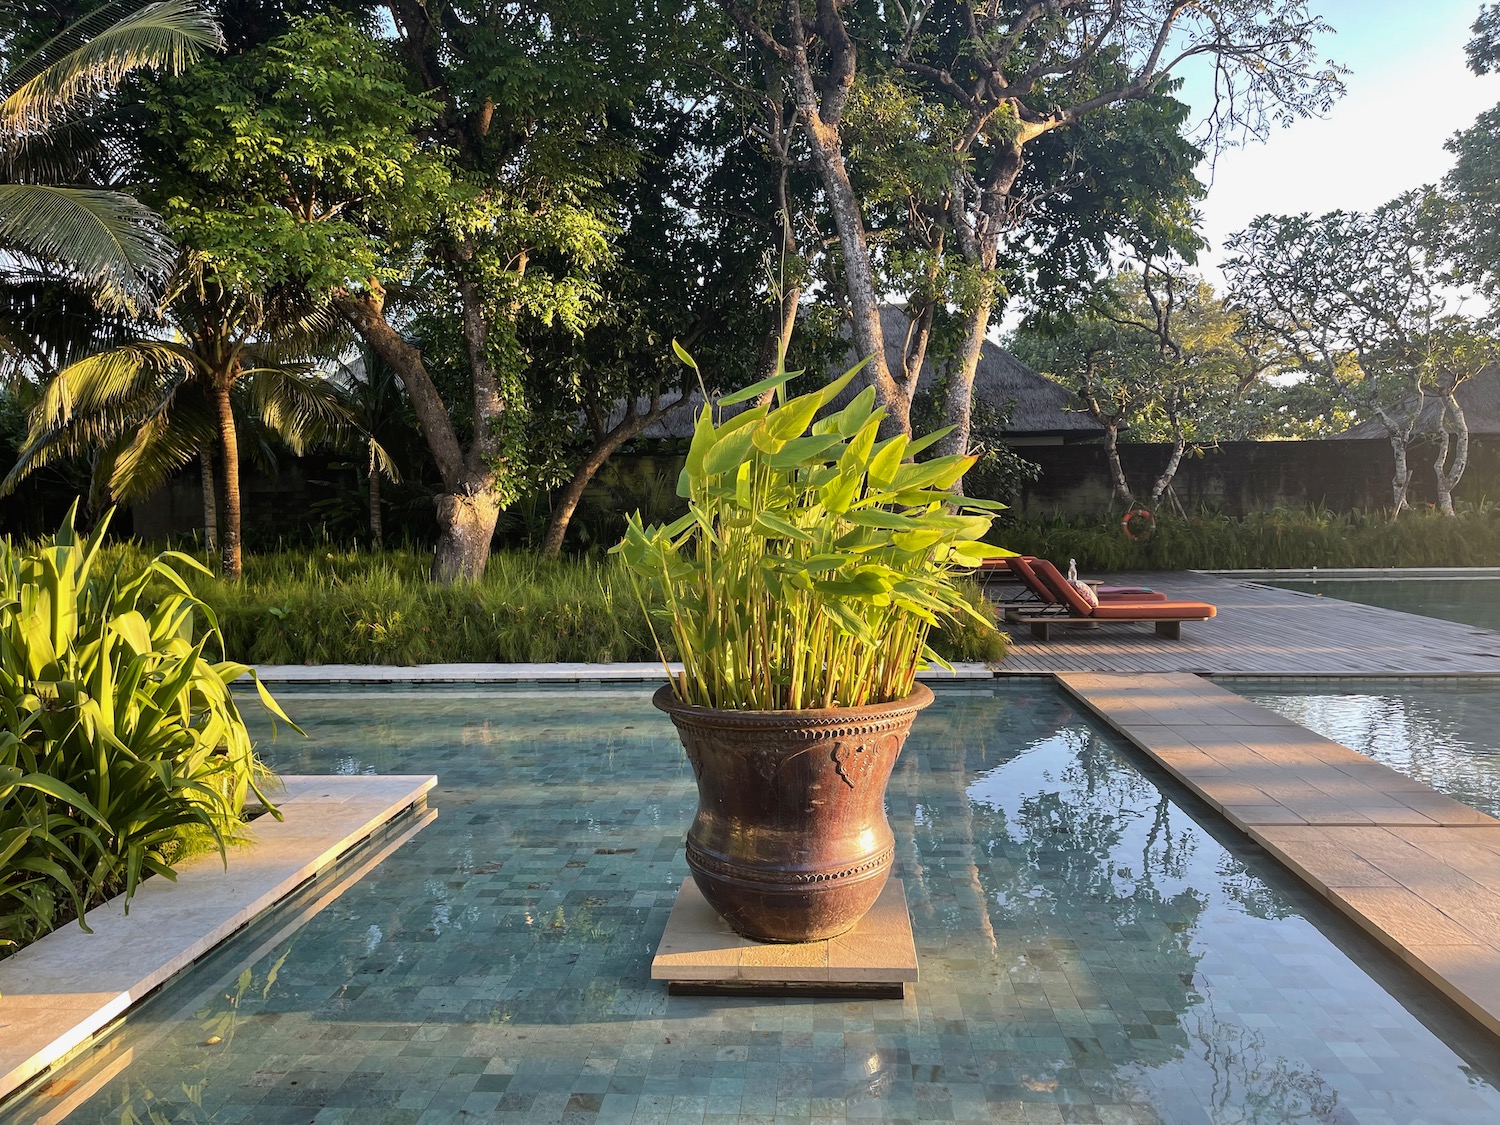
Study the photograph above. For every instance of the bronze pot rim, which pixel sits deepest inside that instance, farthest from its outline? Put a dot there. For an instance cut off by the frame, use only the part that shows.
(665, 699)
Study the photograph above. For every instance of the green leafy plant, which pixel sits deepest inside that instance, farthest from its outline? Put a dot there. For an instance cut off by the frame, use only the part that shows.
(814, 559)
(122, 749)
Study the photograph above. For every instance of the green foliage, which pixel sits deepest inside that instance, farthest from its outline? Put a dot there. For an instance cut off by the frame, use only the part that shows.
(1274, 539)
(300, 159)
(813, 560)
(106, 240)
(1151, 349)
(363, 607)
(121, 746)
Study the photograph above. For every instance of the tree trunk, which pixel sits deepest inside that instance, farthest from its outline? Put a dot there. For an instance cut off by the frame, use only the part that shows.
(820, 104)
(1123, 495)
(466, 509)
(859, 276)
(914, 353)
(1401, 478)
(1164, 482)
(958, 405)
(631, 425)
(229, 449)
(1455, 426)
(377, 522)
(778, 339)
(210, 500)
(467, 525)
(980, 243)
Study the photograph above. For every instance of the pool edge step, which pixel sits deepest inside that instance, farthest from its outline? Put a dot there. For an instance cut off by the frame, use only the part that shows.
(66, 987)
(1416, 870)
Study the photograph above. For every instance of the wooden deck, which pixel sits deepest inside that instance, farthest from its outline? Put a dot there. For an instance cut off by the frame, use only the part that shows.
(1263, 631)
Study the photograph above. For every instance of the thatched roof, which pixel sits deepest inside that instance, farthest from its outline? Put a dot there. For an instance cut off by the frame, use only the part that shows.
(1479, 397)
(1038, 407)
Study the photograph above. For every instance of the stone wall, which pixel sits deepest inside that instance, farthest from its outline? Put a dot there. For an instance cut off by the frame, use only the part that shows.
(1239, 477)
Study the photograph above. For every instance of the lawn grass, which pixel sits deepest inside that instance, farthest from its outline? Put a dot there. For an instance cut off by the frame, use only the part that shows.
(340, 606)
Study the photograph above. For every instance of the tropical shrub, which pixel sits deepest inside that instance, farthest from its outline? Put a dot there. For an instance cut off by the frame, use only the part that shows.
(814, 559)
(122, 749)
(1276, 538)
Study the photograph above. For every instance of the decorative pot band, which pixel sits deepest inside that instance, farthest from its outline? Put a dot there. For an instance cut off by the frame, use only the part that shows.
(817, 722)
(791, 879)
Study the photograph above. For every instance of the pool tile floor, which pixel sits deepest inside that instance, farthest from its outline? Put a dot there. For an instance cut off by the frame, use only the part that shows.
(1090, 952)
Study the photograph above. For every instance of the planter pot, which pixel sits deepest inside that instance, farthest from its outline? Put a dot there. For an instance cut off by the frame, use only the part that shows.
(791, 841)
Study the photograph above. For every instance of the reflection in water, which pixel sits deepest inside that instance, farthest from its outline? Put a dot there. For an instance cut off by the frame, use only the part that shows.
(1082, 942)
(1446, 735)
(1253, 1087)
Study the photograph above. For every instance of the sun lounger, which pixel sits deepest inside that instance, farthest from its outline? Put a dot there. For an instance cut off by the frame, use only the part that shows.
(1070, 608)
(1024, 569)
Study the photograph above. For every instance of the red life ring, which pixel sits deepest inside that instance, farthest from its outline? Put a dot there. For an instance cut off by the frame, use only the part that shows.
(1145, 521)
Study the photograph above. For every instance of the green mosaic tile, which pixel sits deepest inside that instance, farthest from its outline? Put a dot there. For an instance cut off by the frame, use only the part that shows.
(1091, 953)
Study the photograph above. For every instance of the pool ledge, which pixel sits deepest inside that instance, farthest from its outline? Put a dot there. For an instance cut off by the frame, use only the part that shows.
(561, 673)
(1417, 870)
(58, 992)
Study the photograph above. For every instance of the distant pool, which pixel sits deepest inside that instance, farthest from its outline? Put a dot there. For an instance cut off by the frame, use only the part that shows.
(1446, 734)
(1471, 601)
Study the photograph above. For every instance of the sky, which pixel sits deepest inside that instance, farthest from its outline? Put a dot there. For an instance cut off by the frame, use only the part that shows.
(1410, 90)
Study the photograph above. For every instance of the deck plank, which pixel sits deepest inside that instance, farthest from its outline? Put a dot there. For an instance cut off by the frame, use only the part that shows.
(1261, 630)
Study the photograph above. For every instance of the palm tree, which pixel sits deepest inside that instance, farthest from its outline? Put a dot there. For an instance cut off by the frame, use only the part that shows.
(50, 212)
(146, 408)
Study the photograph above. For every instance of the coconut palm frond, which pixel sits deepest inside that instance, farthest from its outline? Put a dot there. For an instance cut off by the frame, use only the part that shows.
(109, 240)
(381, 458)
(163, 442)
(296, 325)
(70, 152)
(45, 325)
(299, 407)
(79, 438)
(142, 372)
(95, 54)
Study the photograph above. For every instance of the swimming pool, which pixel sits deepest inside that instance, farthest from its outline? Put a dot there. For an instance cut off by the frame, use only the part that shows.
(1445, 733)
(1089, 952)
(1471, 601)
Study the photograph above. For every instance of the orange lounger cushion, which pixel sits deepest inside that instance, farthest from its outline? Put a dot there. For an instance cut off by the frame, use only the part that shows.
(1153, 611)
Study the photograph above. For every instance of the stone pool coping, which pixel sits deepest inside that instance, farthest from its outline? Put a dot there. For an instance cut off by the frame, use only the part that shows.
(643, 672)
(1417, 870)
(59, 991)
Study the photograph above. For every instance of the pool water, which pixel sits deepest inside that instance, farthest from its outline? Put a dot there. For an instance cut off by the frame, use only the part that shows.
(1090, 953)
(1471, 601)
(1444, 733)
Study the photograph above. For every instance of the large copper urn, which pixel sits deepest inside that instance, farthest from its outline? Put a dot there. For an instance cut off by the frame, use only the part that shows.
(791, 841)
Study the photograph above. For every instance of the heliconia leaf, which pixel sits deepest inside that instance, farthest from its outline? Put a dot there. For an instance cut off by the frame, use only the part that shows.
(703, 440)
(756, 389)
(857, 413)
(728, 452)
(803, 452)
(879, 518)
(773, 526)
(835, 388)
(792, 419)
(926, 440)
(919, 540)
(885, 460)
